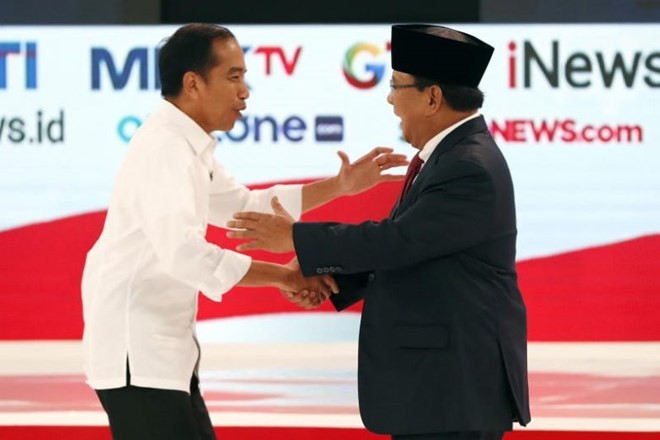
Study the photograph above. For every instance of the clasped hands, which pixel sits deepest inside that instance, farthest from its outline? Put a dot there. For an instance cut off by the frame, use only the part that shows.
(274, 232)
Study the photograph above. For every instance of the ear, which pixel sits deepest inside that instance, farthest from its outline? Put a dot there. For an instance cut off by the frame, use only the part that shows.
(190, 84)
(434, 99)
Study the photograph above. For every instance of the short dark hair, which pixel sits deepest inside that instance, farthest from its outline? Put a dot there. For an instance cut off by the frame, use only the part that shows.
(459, 98)
(188, 49)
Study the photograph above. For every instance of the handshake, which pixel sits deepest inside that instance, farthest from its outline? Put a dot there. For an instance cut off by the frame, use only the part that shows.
(274, 233)
(307, 292)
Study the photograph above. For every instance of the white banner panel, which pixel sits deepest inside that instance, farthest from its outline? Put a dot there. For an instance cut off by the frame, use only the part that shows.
(573, 107)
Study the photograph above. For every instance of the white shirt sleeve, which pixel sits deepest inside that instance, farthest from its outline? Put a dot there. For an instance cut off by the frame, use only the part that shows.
(228, 196)
(171, 201)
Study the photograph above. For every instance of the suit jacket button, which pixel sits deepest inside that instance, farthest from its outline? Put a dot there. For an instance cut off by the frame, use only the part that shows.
(326, 270)
(339, 268)
(333, 269)
(319, 270)
(372, 276)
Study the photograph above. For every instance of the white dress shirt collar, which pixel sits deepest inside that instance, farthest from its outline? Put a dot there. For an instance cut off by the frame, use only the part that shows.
(430, 146)
(198, 139)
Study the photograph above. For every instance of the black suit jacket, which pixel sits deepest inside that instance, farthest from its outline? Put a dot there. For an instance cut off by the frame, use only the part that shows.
(443, 334)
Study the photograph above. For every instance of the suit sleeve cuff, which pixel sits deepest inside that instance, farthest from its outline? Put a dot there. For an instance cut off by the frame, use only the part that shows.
(307, 266)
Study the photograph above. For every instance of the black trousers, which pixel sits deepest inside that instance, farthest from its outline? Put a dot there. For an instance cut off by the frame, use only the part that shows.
(467, 435)
(137, 413)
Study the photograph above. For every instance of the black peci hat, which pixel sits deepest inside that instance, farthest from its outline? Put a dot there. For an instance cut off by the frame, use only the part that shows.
(439, 53)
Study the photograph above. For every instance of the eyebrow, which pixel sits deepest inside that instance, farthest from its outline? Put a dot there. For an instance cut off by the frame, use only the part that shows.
(236, 70)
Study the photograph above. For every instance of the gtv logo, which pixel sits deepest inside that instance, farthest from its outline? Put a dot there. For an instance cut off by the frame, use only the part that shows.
(16, 49)
(144, 62)
(363, 67)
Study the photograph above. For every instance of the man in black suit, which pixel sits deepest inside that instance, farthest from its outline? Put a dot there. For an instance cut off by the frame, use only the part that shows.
(443, 335)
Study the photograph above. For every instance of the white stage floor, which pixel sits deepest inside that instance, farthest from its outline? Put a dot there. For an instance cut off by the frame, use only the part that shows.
(574, 386)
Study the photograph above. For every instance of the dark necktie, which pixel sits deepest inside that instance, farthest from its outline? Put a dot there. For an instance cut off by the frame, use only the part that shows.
(413, 170)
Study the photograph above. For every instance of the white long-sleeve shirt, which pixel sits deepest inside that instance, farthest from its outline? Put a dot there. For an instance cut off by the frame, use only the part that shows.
(141, 278)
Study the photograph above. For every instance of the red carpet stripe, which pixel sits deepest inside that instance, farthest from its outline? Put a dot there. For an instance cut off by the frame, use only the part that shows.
(607, 293)
(235, 433)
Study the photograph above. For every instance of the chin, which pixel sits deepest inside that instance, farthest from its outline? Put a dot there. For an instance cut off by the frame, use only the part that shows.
(227, 126)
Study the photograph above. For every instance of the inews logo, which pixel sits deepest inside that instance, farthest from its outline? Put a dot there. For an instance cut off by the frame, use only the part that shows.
(564, 131)
(581, 69)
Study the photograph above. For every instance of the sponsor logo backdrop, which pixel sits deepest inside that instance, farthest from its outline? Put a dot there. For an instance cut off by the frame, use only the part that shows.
(572, 106)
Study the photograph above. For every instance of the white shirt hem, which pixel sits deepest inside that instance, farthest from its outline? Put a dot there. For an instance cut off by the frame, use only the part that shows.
(147, 382)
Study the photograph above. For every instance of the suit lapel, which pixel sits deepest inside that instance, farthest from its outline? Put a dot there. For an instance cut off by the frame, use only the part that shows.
(467, 129)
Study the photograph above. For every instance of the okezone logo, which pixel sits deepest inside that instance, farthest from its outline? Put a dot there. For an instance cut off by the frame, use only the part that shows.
(580, 69)
(329, 129)
(271, 130)
(374, 70)
(260, 129)
(16, 50)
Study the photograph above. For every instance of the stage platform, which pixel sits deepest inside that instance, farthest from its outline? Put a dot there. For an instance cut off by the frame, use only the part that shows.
(582, 391)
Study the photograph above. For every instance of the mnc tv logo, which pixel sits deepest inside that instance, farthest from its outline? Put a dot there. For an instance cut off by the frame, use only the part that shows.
(24, 53)
(531, 63)
(364, 64)
(273, 56)
(142, 62)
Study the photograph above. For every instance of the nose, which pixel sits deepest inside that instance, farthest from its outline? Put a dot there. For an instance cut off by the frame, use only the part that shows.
(244, 91)
(389, 98)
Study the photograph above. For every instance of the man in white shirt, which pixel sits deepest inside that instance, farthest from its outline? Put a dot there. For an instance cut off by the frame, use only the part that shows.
(142, 276)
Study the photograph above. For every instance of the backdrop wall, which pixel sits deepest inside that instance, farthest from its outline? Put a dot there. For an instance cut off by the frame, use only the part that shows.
(572, 106)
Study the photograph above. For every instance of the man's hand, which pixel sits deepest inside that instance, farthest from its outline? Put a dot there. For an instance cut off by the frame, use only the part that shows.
(309, 299)
(310, 292)
(304, 299)
(367, 171)
(270, 232)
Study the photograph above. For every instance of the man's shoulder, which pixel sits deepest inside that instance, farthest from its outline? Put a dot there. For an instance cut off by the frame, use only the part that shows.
(156, 133)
